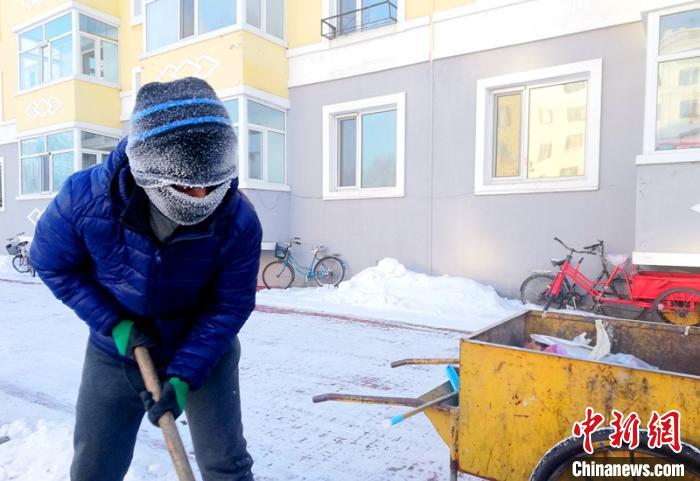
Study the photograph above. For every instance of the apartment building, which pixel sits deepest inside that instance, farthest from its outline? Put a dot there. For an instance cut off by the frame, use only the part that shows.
(459, 136)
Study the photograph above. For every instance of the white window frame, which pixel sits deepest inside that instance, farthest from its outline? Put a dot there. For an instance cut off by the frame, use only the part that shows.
(77, 157)
(196, 36)
(262, 30)
(98, 52)
(650, 155)
(331, 115)
(137, 18)
(45, 44)
(484, 182)
(3, 196)
(243, 126)
(77, 72)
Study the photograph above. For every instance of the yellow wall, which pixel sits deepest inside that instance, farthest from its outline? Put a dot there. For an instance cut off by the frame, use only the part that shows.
(68, 101)
(130, 45)
(13, 13)
(265, 65)
(303, 22)
(46, 106)
(225, 61)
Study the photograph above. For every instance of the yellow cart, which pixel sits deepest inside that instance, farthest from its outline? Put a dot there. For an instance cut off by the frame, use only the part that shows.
(516, 407)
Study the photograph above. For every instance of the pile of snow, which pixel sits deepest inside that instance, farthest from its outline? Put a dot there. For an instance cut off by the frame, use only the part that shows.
(390, 291)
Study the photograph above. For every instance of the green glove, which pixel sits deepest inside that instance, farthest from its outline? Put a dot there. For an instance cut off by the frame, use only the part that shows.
(173, 397)
(127, 337)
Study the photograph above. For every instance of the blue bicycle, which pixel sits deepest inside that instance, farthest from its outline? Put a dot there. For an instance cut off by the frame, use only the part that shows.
(280, 274)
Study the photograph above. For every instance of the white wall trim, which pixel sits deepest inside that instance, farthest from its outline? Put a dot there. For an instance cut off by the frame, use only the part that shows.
(63, 8)
(393, 49)
(254, 184)
(458, 31)
(504, 24)
(254, 93)
(665, 259)
(669, 157)
(331, 112)
(8, 132)
(69, 78)
(483, 185)
(73, 124)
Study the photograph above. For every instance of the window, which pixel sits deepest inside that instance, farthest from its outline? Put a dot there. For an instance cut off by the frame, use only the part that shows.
(539, 130)
(168, 21)
(136, 11)
(46, 51)
(672, 124)
(266, 15)
(98, 49)
(48, 160)
(364, 148)
(264, 132)
(2, 184)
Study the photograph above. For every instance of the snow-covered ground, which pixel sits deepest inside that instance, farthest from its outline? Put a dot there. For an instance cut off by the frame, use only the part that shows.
(390, 291)
(286, 359)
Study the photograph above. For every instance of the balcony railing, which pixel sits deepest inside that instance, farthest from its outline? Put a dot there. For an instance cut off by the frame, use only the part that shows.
(371, 16)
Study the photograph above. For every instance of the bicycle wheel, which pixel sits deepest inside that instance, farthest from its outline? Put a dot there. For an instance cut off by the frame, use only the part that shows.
(329, 271)
(533, 290)
(21, 264)
(677, 306)
(278, 275)
(556, 465)
(620, 290)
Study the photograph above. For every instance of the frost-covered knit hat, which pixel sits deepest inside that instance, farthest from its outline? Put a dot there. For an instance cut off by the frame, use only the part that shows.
(181, 134)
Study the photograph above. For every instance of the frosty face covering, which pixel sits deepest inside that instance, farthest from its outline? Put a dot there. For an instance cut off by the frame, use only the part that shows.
(181, 134)
(183, 208)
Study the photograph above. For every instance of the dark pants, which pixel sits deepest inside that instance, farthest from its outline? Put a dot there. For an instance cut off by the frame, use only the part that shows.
(109, 412)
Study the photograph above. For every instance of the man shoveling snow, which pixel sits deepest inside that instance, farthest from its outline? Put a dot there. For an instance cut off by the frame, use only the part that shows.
(157, 248)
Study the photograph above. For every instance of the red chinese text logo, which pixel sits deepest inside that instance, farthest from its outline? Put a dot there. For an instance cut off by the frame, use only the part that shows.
(662, 429)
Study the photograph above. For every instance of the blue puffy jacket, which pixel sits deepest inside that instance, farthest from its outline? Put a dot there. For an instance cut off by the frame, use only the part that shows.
(94, 248)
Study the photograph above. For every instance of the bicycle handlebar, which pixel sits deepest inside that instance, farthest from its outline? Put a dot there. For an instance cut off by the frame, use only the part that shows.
(592, 249)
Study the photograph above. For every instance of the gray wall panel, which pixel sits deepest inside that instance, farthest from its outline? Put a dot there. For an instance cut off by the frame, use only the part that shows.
(440, 226)
(665, 194)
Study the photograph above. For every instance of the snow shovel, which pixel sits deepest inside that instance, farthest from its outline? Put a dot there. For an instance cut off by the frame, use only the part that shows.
(166, 421)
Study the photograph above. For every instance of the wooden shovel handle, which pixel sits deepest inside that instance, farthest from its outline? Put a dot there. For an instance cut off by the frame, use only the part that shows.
(166, 421)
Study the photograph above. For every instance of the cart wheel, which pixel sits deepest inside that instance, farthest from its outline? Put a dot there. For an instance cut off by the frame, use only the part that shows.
(557, 463)
(678, 306)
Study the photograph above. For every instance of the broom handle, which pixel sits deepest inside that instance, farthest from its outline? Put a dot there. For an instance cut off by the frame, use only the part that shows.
(166, 421)
(400, 417)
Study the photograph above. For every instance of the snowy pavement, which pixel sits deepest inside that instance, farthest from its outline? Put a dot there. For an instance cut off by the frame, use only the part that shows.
(286, 359)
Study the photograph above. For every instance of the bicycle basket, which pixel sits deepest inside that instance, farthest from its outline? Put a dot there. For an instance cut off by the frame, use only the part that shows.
(12, 249)
(281, 250)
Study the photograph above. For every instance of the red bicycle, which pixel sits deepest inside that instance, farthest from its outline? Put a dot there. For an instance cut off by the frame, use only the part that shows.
(669, 296)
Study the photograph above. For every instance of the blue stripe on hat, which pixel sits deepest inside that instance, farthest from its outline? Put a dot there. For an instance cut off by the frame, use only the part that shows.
(179, 123)
(173, 103)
